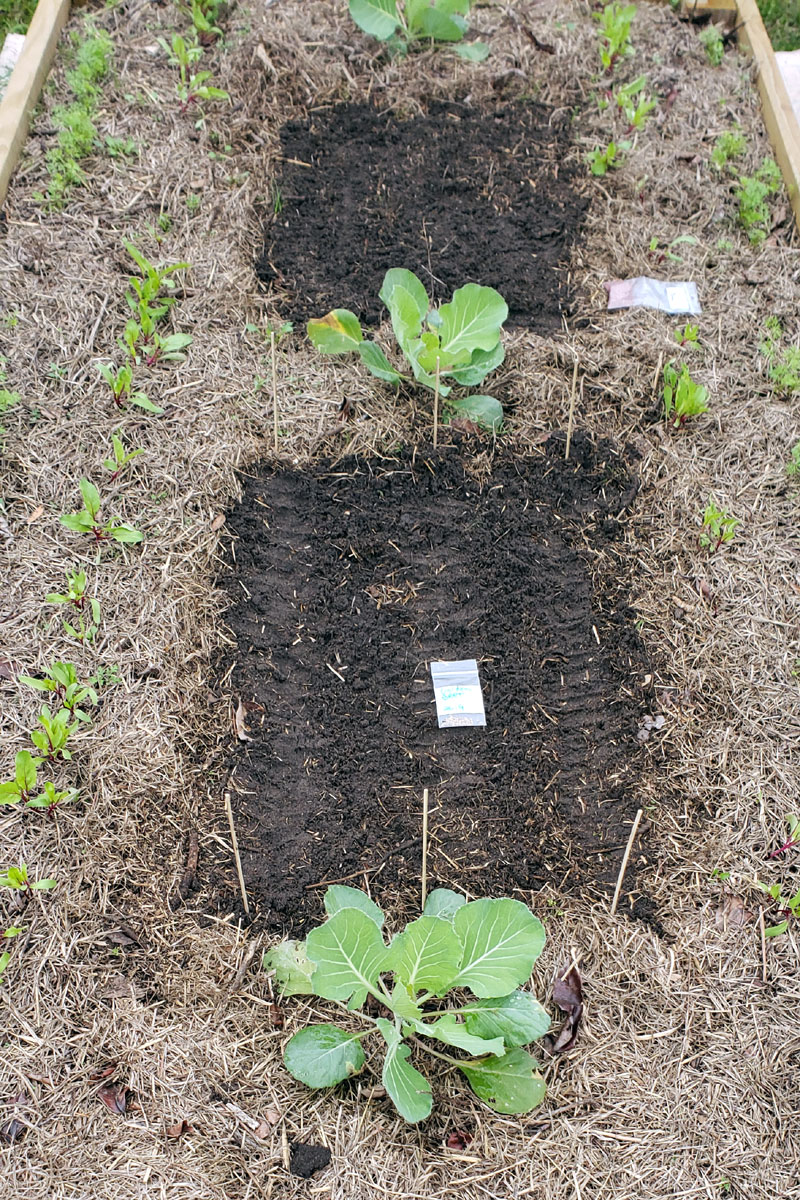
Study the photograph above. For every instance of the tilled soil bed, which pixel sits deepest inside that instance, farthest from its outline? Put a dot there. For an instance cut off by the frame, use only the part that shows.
(346, 580)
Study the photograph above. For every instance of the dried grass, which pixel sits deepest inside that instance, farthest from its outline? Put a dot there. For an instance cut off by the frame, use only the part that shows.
(685, 1071)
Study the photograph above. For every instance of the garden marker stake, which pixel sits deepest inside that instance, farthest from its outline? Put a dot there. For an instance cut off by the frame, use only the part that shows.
(424, 847)
(436, 405)
(274, 391)
(571, 408)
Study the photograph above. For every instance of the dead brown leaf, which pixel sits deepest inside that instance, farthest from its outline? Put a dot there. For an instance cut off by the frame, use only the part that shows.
(103, 1072)
(37, 512)
(114, 1096)
(732, 914)
(178, 1130)
(464, 425)
(12, 1129)
(239, 723)
(218, 522)
(568, 995)
(120, 988)
(6, 669)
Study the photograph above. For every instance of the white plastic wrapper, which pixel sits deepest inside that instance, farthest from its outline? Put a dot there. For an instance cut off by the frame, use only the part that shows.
(12, 48)
(643, 292)
(457, 687)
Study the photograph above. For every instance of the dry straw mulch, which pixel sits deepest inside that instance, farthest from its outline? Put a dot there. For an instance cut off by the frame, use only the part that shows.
(683, 1080)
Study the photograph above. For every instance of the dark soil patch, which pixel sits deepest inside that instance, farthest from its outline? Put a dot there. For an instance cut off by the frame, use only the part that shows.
(345, 581)
(456, 196)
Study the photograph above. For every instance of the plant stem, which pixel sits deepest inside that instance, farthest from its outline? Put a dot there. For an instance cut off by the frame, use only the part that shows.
(436, 407)
(274, 392)
(425, 804)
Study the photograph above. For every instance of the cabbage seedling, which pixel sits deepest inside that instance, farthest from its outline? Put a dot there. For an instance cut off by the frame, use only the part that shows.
(486, 946)
(401, 22)
(26, 775)
(461, 338)
(683, 398)
(84, 606)
(718, 527)
(88, 519)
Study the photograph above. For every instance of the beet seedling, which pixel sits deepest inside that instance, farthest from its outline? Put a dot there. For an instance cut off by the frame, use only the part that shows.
(51, 799)
(26, 776)
(191, 86)
(615, 32)
(63, 683)
(86, 607)
(121, 457)
(462, 337)
(120, 380)
(688, 336)
(5, 957)
(788, 906)
(602, 161)
(683, 398)
(88, 520)
(17, 878)
(635, 111)
(486, 946)
(402, 22)
(718, 527)
(793, 825)
(51, 740)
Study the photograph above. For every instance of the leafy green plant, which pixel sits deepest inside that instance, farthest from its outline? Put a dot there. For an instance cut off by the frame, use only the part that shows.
(88, 519)
(688, 336)
(635, 107)
(713, 43)
(718, 527)
(615, 32)
(51, 740)
(26, 776)
(462, 338)
(751, 193)
(13, 930)
(729, 145)
(149, 305)
(667, 252)
(485, 946)
(86, 608)
(784, 365)
(121, 458)
(63, 683)
(782, 20)
(192, 85)
(683, 398)
(50, 799)
(789, 907)
(120, 380)
(402, 22)
(205, 14)
(18, 879)
(119, 147)
(601, 161)
(793, 463)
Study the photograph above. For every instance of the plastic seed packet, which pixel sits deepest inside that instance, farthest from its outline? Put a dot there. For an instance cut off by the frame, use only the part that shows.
(457, 687)
(643, 292)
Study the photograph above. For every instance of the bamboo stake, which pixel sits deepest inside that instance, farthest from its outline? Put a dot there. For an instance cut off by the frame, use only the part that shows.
(625, 858)
(424, 845)
(235, 844)
(436, 409)
(274, 391)
(571, 408)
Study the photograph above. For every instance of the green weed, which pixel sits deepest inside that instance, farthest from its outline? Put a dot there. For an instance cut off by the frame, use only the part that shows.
(731, 144)
(751, 193)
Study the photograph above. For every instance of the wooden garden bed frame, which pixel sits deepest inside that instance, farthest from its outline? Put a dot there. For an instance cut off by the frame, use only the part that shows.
(27, 80)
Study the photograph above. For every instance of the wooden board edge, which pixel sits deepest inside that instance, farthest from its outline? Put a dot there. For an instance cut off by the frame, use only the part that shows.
(26, 82)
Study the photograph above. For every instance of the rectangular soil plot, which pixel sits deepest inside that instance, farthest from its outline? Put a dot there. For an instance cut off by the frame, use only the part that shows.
(345, 582)
(458, 195)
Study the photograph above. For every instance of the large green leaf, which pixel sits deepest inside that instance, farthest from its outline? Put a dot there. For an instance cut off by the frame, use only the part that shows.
(338, 332)
(483, 410)
(518, 1019)
(436, 24)
(376, 17)
(426, 954)
(349, 954)
(409, 1090)
(376, 361)
(404, 311)
(292, 968)
(338, 897)
(448, 1030)
(509, 1084)
(472, 51)
(442, 902)
(322, 1055)
(471, 321)
(25, 772)
(479, 366)
(400, 277)
(502, 939)
(420, 348)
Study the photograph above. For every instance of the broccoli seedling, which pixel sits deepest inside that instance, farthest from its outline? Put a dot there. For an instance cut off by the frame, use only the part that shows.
(402, 24)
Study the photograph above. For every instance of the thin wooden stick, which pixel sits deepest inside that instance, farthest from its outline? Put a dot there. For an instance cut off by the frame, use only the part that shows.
(571, 408)
(655, 377)
(235, 844)
(625, 858)
(424, 846)
(436, 409)
(763, 946)
(274, 391)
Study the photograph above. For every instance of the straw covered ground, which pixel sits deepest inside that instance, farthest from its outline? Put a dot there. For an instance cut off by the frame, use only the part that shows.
(682, 1082)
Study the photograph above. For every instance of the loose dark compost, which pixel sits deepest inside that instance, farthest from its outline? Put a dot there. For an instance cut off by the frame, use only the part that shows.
(457, 195)
(345, 581)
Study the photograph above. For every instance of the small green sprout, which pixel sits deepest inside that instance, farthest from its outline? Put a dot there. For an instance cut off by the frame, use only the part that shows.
(731, 144)
(87, 608)
(26, 776)
(17, 878)
(120, 380)
(88, 520)
(635, 111)
(5, 958)
(713, 43)
(63, 683)
(683, 398)
(751, 193)
(793, 463)
(667, 253)
(121, 456)
(51, 740)
(789, 907)
(718, 527)
(602, 161)
(615, 32)
(51, 799)
(784, 365)
(191, 86)
(688, 336)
